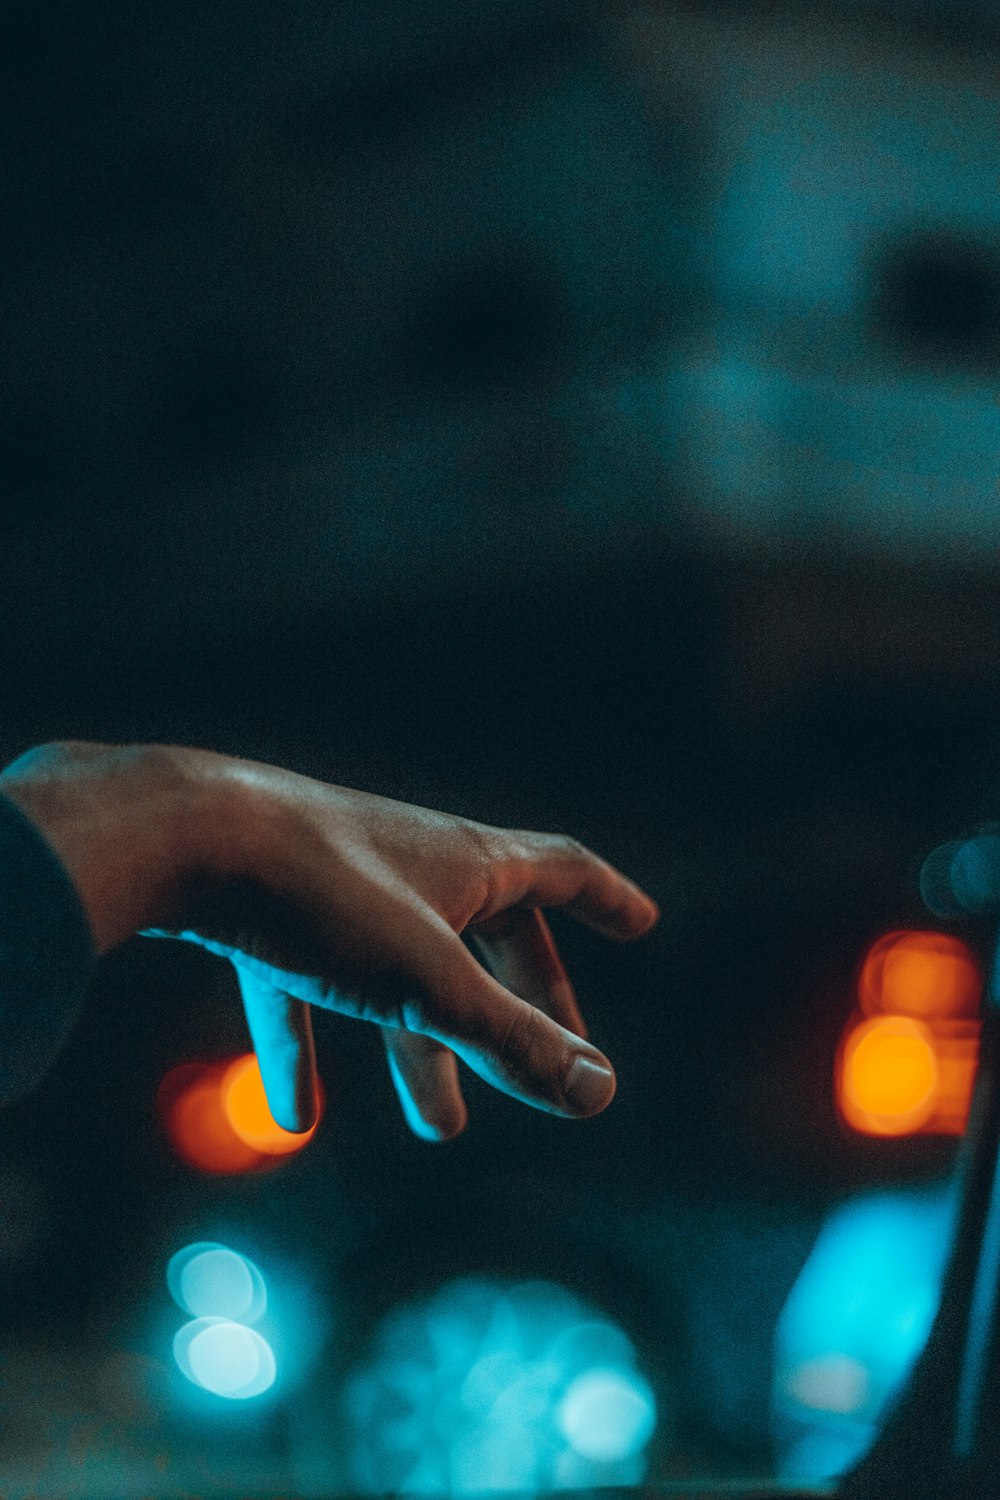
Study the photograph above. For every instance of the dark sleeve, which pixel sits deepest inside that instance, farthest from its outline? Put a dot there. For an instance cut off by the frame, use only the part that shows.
(46, 953)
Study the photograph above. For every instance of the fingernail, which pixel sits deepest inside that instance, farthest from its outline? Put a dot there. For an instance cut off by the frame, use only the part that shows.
(652, 909)
(589, 1086)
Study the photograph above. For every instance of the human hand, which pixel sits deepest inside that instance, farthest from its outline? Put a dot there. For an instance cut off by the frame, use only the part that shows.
(325, 896)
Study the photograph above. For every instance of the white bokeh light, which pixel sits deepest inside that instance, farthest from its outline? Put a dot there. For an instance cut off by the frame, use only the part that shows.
(211, 1280)
(608, 1414)
(225, 1358)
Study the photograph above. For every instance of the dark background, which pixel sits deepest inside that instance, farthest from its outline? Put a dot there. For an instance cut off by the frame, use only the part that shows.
(573, 416)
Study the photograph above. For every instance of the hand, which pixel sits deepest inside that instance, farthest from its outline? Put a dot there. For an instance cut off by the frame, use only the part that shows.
(325, 896)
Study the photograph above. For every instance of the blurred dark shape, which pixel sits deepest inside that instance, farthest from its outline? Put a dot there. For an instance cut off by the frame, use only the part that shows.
(223, 405)
(162, 183)
(28, 464)
(884, 737)
(451, 59)
(937, 298)
(502, 321)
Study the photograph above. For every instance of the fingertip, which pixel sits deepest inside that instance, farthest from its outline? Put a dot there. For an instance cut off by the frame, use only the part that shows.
(640, 917)
(431, 1102)
(305, 1117)
(650, 917)
(289, 1104)
(298, 1113)
(589, 1085)
(438, 1132)
(435, 1128)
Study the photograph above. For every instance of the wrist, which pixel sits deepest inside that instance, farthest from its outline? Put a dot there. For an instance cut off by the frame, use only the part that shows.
(132, 825)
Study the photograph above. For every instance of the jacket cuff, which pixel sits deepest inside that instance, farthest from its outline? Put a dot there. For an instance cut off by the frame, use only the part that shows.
(47, 953)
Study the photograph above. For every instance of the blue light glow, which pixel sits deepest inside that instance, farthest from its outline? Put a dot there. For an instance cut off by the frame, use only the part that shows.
(608, 1414)
(962, 876)
(485, 1386)
(210, 1280)
(224, 1293)
(225, 1358)
(855, 1321)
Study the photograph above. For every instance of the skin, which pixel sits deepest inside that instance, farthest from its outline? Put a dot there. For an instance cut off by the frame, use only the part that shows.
(320, 895)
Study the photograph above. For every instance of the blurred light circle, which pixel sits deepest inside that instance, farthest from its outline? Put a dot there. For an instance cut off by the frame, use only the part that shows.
(210, 1280)
(25, 1217)
(191, 1106)
(936, 889)
(487, 1386)
(975, 873)
(592, 1343)
(177, 1080)
(228, 1359)
(832, 1382)
(962, 876)
(607, 1414)
(888, 1076)
(923, 974)
(248, 1114)
(854, 1323)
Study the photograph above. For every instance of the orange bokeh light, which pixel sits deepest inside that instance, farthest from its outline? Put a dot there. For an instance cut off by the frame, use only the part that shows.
(957, 1047)
(920, 974)
(246, 1110)
(190, 1104)
(217, 1119)
(889, 1078)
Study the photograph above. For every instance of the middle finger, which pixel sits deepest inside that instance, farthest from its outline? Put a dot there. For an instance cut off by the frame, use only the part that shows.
(519, 951)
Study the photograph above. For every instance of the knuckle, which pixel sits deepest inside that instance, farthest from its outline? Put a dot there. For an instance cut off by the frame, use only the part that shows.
(484, 840)
(525, 1046)
(532, 847)
(572, 848)
(503, 858)
(517, 1036)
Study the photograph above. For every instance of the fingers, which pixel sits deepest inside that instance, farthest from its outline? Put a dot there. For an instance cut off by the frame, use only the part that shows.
(281, 1032)
(425, 1074)
(507, 1041)
(519, 952)
(560, 872)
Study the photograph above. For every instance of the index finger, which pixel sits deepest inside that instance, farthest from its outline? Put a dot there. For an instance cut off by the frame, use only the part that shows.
(559, 871)
(281, 1032)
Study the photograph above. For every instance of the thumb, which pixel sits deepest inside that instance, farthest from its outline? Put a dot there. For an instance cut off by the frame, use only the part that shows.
(512, 1044)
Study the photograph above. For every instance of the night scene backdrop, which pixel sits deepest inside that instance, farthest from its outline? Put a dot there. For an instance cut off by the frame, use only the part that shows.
(574, 416)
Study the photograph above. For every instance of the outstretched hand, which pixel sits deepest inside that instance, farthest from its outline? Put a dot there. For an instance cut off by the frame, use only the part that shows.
(325, 896)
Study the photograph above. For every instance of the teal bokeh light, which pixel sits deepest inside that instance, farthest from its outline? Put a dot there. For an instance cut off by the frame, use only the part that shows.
(608, 1415)
(857, 1317)
(207, 1279)
(497, 1386)
(228, 1359)
(224, 1293)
